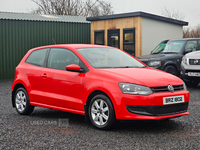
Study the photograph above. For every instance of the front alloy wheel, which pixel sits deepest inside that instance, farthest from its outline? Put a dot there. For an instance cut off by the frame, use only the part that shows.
(22, 102)
(101, 112)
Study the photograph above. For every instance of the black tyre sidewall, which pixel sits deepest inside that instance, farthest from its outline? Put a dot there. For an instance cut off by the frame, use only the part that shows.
(29, 108)
(111, 118)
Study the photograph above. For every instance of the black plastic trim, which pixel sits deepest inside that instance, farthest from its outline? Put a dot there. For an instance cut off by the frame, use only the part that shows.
(163, 110)
(136, 14)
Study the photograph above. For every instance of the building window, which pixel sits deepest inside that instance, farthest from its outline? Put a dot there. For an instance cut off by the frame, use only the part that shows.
(99, 37)
(113, 38)
(129, 40)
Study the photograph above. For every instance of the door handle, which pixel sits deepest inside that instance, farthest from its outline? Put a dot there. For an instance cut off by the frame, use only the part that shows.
(44, 75)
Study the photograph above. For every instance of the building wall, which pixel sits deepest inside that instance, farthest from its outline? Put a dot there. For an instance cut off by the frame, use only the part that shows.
(153, 32)
(132, 22)
(17, 37)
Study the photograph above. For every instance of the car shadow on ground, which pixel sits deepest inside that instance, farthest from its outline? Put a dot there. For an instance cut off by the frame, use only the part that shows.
(149, 126)
(133, 125)
(45, 113)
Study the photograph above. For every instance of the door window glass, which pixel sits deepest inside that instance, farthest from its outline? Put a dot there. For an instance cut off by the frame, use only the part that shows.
(60, 58)
(37, 57)
(128, 37)
(99, 37)
(191, 45)
(129, 40)
(113, 38)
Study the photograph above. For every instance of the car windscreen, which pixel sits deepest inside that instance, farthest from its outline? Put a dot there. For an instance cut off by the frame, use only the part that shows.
(159, 48)
(108, 58)
(173, 46)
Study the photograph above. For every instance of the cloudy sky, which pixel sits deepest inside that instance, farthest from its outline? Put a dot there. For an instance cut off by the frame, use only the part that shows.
(189, 8)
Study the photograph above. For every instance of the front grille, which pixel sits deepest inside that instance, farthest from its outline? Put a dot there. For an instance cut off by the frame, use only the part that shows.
(194, 61)
(163, 110)
(186, 71)
(165, 88)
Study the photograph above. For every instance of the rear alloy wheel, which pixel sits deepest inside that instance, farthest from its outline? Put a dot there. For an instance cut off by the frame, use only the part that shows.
(22, 102)
(192, 83)
(101, 112)
(171, 69)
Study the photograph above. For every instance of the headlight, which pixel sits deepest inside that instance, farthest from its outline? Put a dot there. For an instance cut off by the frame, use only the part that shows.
(185, 60)
(185, 87)
(154, 63)
(128, 88)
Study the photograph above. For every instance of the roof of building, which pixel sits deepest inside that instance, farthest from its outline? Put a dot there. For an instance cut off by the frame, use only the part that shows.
(136, 14)
(33, 17)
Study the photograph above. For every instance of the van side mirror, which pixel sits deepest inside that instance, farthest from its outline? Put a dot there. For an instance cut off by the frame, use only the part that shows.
(187, 51)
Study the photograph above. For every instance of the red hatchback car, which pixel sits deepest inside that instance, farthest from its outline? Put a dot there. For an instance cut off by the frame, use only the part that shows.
(103, 83)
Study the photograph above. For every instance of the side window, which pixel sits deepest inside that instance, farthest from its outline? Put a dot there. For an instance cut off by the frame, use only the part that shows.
(191, 45)
(60, 58)
(37, 57)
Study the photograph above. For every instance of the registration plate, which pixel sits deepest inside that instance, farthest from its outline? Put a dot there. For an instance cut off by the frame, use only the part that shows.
(194, 74)
(173, 100)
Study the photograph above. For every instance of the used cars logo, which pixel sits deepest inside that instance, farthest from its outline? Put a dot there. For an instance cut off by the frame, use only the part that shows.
(170, 88)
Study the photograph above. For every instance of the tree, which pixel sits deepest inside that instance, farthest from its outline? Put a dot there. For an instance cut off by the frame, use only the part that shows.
(192, 32)
(87, 8)
(173, 14)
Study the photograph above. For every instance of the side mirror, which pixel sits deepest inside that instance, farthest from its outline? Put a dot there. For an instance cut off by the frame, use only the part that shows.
(74, 68)
(187, 51)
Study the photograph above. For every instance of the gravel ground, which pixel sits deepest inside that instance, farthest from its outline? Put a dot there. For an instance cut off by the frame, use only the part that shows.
(52, 129)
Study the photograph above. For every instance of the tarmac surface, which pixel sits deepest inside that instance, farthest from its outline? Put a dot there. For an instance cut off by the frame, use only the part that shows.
(52, 129)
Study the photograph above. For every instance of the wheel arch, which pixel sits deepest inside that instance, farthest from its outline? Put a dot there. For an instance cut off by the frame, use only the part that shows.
(89, 98)
(18, 85)
(172, 64)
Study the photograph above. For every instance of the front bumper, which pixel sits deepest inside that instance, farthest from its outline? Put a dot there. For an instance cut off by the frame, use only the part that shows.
(150, 107)
(185, 69)
(164, 110)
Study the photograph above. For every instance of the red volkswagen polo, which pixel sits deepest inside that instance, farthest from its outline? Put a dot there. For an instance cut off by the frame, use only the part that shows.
(103, 83)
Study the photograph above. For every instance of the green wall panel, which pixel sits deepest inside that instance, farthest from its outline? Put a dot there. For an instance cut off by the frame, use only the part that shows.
(18, 36)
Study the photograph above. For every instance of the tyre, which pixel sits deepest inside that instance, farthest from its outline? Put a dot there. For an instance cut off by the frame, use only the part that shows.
(192, 83)
(172, 70)
(101, 112)
(22, 102)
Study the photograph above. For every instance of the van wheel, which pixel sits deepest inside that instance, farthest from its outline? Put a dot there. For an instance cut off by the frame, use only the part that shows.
(171, 69)
(101, 112)
(22, 102)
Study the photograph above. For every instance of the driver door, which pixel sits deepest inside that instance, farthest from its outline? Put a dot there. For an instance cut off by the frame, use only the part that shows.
(62, 88)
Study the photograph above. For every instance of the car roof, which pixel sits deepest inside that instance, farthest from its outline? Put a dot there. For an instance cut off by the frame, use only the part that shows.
(73, 46)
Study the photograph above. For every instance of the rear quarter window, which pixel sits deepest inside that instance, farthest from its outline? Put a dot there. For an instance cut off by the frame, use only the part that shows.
(37, 57)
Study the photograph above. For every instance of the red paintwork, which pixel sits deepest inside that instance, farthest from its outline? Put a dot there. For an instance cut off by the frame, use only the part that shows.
(73, 67)
(68, 91)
